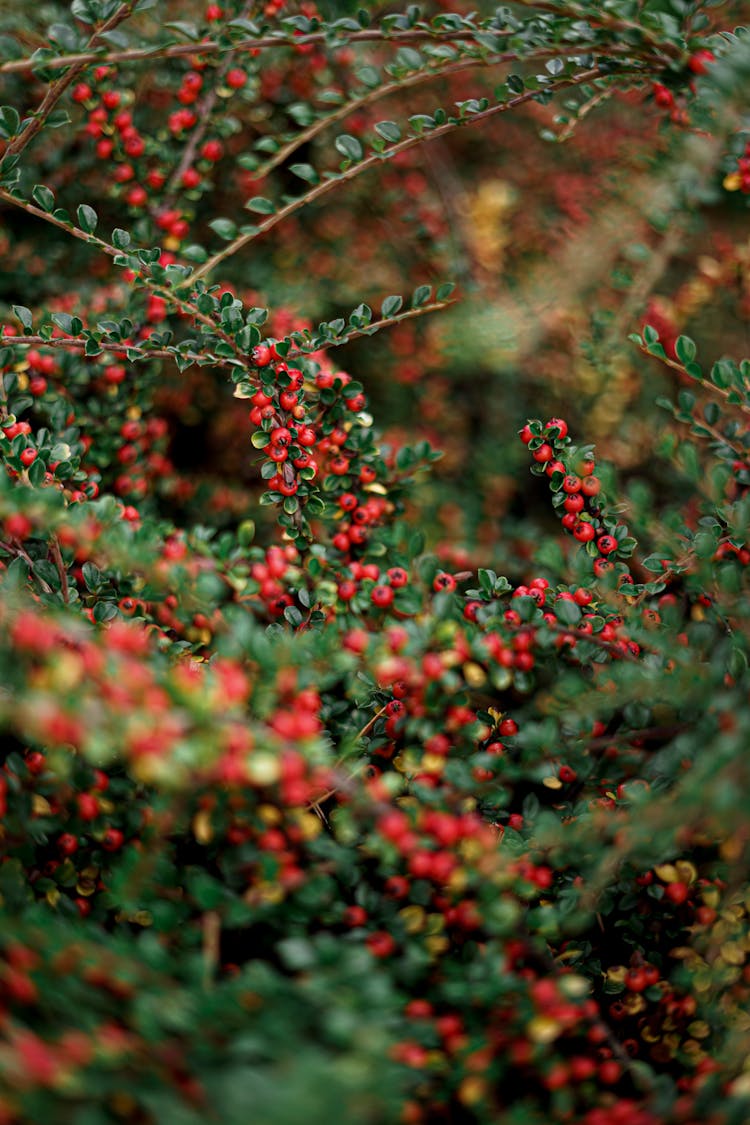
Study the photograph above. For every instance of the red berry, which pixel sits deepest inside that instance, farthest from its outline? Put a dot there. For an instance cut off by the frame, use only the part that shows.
(18, 526)
(561, 425)
(382, 596)
(663, 97)
(584, 531)
(88, 806)
(443, 582)
(191, 177)
(677, 893)
(701, 60)
(212, 150)
(261, 355)
(236, 78)
(543, 453)
(67, 843)
(607, 544)
(113, 840)
(28, 456)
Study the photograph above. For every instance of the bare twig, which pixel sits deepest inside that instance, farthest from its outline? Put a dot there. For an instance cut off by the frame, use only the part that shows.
(375, 159)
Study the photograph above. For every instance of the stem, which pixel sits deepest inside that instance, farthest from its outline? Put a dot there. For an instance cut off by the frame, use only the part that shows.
(211, 46)
(58, 88)
(437, 70)
(323, 188)
(168, 295)
(677, 366)
(376, 325)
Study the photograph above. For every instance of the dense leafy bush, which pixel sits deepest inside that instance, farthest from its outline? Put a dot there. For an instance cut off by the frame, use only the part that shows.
(307, 810)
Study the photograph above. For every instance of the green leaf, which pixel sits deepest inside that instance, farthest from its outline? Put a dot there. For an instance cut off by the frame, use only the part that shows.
(444, 291)
(121, 238)
(10, 122)
(685, 349)
(225, 228)
(305, 172)
(24, 315)
(390, 306)
(567, 611)
(421, 296)
(293, 615)
(389, 131)
(44, 197)
(349, 146)
(87, 218)
(260, 205)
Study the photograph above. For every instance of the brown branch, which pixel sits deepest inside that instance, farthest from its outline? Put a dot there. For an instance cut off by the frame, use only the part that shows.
(58, 88)
(436, 70)
(375, 326)
(106, 247)
(325, 186)
(211, 46)
(706, 383)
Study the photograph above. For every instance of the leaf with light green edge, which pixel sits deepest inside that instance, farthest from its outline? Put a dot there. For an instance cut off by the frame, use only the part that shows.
(87, 218)
(390, 306)
(349, 146)
(24, 315)
(121, 239)
(10, 121)
(389, 131)
(305, 172)
(554, 67)
(360, 316)
(421, 296)
(70, 324)
(650, 335)
(259, 440)
(444, 291)
(685, 349)
(260, 205)
(43, 197)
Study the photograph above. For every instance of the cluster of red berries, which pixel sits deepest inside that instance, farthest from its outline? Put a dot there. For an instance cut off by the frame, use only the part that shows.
(576, 491)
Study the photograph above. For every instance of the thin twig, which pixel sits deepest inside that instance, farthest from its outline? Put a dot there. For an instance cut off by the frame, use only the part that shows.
(211, 46)
(709, 386)
(369, 162)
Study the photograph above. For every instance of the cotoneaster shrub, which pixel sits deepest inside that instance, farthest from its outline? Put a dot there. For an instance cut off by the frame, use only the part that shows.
(306, 812)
